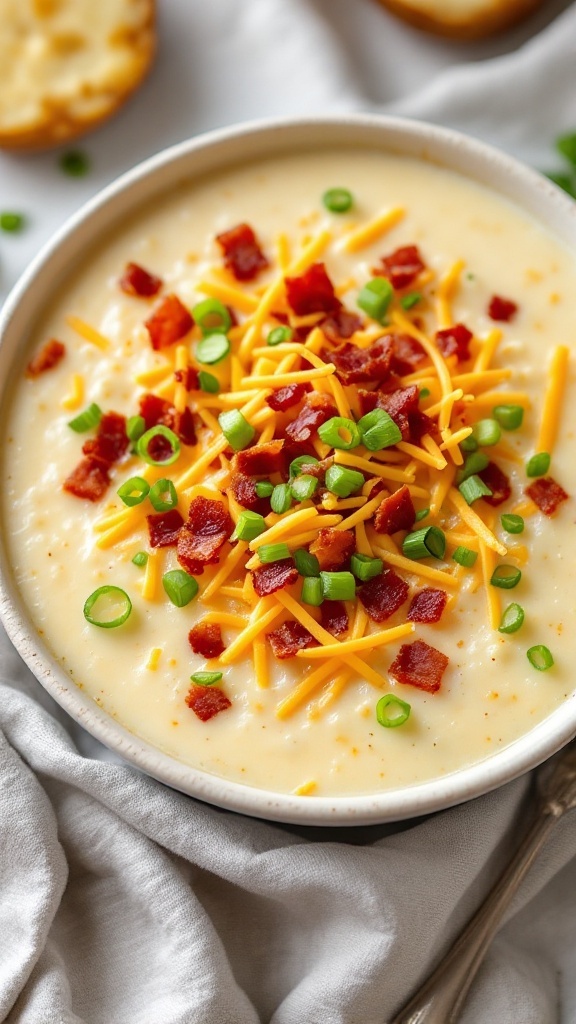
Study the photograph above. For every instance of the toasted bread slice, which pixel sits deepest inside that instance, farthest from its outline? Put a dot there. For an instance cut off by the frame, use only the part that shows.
(67, 65)
(462, 19)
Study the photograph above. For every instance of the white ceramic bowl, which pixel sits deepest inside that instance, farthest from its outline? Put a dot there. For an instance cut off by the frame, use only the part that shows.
(216, 151)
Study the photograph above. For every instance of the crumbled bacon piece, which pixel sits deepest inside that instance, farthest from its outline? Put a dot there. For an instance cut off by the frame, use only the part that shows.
(420, 424)
(242, 253)
(46, 359)
(333, 548)
(420, 665)
(402, 266)
(207, 701)
(547, 494)
(316, 410)
(182, 423)
(208, 527)
(312, 292)
(169, 322)
(89, 479)
(355, 364)
(188, 377)
(164, 528)
(498, 483)
(284, 398)
(341, 325)
(137, 281)
(407, 356)
(260, 460)
(244, 491)
(154, 411)
(205, 638)
(455, 341)
(396, 512)
(290, 638)
(502, 309)
(383, 595)
(427, 605)
(273, 576)
(111, 441)
(334, 617)
(400, 405)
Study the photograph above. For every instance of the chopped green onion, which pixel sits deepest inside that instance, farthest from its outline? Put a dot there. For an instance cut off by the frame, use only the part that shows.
(113, 601)
(566, 146)
(512, 619)
(312, 592)
(343, 481)
(140, 558)
(338, 586)
(486, 432)
(281, 498)
(337, 200)
(429, 541)
(212, 349)
(302, 460)
(75, 163)
(340, 432)
(135, 427)
(307, 564)
(512, 523)
(365, 568)
(375, 297)
(159, 430)
(264, 488)
(208, 382)
(508, 416)
(473, 488)
(378, 430)
(180, 587)
(163, 495)
(469, 444)
(538, 465)
(303, 487)
(465, 556)
(422, 514)
(279, 335)
(133, 491)
(410, 300)
(86, 420)
(506, 577)
(540, 657)
(249, 526)
(273, 552)
(212, 317)
(425, 393)
(236, 429)
(473, 463)
(12, 222)
(391, 711)
(206, 678)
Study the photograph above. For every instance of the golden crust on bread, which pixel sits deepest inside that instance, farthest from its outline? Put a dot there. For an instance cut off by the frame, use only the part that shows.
(462, 19)
(68, 65)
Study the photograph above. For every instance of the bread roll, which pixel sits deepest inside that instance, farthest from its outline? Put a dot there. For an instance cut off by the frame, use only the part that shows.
(462, 19)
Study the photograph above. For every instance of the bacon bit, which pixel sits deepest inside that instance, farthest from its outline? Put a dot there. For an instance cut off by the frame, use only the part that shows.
(260, 460)
(502, 309)
(396, 512)
(207, 701)
(183, 426)
(455, 341)
(383, 595)
(244, 491)
(547, 494)
(333, 548)
(420, 424)
(154, 411)
(205, 638)
(188, 377)
(316, 469)
(290, 638)
(334, 617)
(341, 324)
(242, 253)
(88, 480)
(164, 528)
(137, 281)
(402, 266)
(312, 292)
(208, 527)
(420, 665)
(267, 579)
(427, 605)
(355, 364)
(169, 322)
(316, 410)
(400, 405)
(498, 483)
(111, 441)
(284, 398)
(47, 358)
(408, 354)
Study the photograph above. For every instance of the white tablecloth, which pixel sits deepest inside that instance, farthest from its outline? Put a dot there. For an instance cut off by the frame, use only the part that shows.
(122, 902)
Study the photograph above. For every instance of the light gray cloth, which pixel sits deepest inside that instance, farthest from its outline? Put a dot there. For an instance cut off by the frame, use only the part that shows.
(122, 902)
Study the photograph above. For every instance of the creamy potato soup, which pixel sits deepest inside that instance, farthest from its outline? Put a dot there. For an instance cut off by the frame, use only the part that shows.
(291, 497)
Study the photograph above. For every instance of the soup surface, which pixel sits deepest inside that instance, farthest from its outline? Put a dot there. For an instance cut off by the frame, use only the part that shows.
(432, 462)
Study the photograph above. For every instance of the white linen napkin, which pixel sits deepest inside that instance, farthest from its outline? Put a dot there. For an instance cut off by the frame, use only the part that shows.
(122, 902)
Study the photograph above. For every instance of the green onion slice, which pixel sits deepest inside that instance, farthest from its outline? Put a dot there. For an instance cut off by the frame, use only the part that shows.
(208, 382)
(140, 558)
(307, 564)
(338, 586)
(422, 514)
(86, 420)
(508, 416)
(281, 498)
(279, 335)
(236, 429)
(180, 587)
(312, 592)
(375, 297)
(264, 488)
(486, 432)
(337, 200)
(410, 300)
(424, 393)
(538, 465)
(135, 427)
(540, 657)
(212, 317)
(75, 163)
(512, 619)
(212, 349)
(206, 678)
(366, 568)
(465, 556)
(378, 430)
(249, 526)
(512, 523)
(391, 711)
(473, 488)
(469, 444)
(12, 222)
(475, 462)
(340, 432)
(159, 430)
(506, 577)
(343, 481)
(303, 487)
(273, 552)
(163, 495)
(424, 543)
(133, 491)
(302, 460)
(108, 607)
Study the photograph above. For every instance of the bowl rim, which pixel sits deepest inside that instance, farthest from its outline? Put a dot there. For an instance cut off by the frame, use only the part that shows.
(438, 145)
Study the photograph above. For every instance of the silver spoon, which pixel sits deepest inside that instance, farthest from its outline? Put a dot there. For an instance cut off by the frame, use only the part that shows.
(441, 998)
